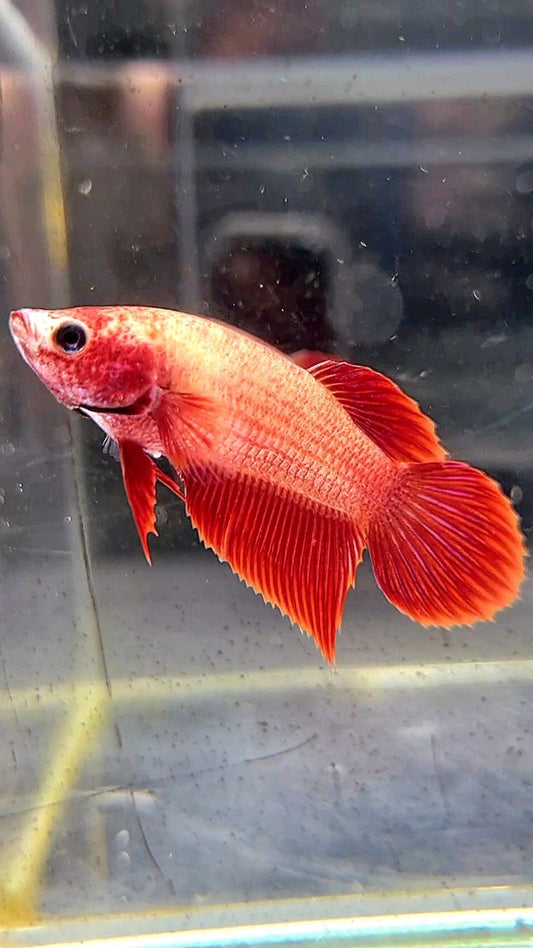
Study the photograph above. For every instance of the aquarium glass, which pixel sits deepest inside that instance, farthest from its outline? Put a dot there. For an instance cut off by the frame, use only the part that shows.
(178, 764)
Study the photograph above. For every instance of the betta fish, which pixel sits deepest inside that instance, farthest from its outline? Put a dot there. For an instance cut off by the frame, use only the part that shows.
(289, 468)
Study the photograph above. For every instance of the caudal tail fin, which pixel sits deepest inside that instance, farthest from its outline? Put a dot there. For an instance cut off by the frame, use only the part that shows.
(447, 548)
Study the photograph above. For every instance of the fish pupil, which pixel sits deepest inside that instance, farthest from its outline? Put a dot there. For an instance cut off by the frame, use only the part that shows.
(71, 337)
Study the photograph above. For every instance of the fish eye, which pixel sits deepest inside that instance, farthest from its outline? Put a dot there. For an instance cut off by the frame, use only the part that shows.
(70, 337)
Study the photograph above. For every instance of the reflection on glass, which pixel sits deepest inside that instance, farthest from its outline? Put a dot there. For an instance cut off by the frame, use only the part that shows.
(350, 178)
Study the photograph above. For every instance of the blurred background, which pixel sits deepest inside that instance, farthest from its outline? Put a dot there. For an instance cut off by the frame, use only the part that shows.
(355, 177)
(349, 177)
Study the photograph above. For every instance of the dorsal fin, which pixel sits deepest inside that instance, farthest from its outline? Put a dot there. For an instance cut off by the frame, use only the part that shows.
(307, 358)
(392, 419)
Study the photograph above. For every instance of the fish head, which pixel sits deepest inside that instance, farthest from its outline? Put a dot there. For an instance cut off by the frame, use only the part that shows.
(89, 357)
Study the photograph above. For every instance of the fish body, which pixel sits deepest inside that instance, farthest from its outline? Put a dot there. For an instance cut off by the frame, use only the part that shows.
(289, 468)
(254, 410)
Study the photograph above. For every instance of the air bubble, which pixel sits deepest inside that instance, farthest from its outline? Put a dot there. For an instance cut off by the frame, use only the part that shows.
(123, 859)
(524, 182)
(85, 187)
(523, 372)
(122, 839)
(516, 494)
(6, 448)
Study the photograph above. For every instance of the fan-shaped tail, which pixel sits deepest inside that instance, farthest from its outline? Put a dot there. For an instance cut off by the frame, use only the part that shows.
(447, 548)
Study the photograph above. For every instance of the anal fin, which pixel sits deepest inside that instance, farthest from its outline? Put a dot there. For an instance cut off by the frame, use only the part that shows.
(300, 556)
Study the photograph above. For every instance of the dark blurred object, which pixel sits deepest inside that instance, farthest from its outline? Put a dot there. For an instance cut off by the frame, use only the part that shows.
(236, 28)
(279, 275)
(277, 291)
(117, 30)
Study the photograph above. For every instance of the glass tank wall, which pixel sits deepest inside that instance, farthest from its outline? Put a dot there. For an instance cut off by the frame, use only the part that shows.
(350, 177)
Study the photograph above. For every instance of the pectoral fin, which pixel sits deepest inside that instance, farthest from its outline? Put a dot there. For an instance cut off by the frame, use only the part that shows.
(188, 425)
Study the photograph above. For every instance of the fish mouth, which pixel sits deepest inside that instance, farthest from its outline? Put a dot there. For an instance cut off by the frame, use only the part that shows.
(107, 409)
(138, 406)
(24, 329)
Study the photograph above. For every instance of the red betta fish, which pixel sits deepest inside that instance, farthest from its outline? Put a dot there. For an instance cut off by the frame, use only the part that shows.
(288, 471)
